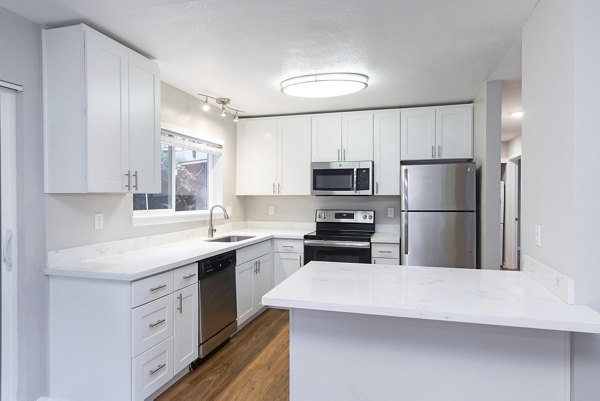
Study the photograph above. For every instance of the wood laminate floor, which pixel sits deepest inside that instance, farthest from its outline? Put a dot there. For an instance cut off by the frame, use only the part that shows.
(253, 366)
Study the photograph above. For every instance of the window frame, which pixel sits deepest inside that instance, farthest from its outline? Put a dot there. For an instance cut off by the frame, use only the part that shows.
(215, 187)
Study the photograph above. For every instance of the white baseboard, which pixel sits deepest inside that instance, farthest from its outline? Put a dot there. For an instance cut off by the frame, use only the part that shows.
(554, 281)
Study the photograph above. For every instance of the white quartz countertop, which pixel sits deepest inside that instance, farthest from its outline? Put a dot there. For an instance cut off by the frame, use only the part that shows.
(137, 264)
(488, 297)
(386, 238)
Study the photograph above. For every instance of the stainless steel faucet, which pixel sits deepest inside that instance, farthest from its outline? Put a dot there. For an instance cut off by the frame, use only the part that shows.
(211, 228)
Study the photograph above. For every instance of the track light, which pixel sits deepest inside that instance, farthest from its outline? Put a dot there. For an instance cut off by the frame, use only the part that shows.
(224, 103)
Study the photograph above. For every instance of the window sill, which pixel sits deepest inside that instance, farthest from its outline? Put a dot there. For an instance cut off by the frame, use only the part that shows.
(139, 220)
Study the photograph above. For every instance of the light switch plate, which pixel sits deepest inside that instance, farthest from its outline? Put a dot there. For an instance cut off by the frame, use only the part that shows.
(99, 221)
(538, 235)
(271, 211)
(390, 212)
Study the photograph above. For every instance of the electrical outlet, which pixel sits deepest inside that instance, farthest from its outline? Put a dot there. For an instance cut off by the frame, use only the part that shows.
(390, 212)
(271, 210)
(99, 221)
(538, 235)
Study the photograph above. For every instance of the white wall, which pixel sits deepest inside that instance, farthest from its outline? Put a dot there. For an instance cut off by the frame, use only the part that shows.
(512, 148)
(70, 217)
(20, 62)
(486, 149)
(561, 142)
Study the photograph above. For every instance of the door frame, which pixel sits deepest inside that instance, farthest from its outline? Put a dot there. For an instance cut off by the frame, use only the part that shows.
(8, 226)
(512, 214)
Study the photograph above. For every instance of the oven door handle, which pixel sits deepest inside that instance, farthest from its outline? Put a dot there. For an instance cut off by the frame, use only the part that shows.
(336, 244)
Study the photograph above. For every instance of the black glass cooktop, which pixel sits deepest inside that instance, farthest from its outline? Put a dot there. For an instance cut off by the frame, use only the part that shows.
(336, 235)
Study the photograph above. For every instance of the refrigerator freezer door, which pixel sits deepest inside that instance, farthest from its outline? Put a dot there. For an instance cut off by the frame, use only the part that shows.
(442, 239)
(438, 187)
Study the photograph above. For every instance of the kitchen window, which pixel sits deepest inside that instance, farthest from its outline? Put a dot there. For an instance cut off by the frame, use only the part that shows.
(190, 179)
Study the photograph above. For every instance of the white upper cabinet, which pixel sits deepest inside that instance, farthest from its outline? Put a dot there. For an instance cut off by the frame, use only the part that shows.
(293, 156)
(454, 132)
(342, 137)
(273, 156)
(444, 132)
(357, 136)
(102, 108)
(386, 154)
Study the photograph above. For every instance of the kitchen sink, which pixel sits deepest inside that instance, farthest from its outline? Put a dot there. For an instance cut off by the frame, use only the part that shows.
(230, 238)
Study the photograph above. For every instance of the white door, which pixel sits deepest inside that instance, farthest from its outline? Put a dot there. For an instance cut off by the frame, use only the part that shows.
(417, 133)
(454, 132)
(185, 336)
(262, 137)
(293, 156)
(510, 215)
(8, 219)
(264, 279)
(357, 136)
(144, 124)
(386, 152)
(107, 113)
(244, 288)
(285, 264)
(327, 138)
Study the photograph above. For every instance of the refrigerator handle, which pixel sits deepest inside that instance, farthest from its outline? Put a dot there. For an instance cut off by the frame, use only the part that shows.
(406, 233)
(405, 190)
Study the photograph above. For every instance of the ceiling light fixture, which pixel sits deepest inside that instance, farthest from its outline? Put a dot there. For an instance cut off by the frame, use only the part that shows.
(324, 85)
(224, 103)
(516, 114)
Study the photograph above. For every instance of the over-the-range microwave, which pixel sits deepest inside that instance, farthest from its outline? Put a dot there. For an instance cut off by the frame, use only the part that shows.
(342, 178)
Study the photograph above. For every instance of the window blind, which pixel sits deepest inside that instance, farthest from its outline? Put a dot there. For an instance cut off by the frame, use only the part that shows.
(189, 142)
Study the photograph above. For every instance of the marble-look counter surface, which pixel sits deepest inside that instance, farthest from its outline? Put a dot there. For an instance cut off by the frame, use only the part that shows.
(139, 263)
(487, 297)
(385, 238)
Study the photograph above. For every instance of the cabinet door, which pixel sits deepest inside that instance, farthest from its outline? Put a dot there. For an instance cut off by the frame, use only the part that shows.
(357, 136)
(185, 335)
(293, 156)
(417, 133)
(242, 159)
(327, 138)
(264, 279)
(386, 152)
(107, 147)
(285, 264)
(144, 124)
(454, 132)
(244, 284)
(262, 137)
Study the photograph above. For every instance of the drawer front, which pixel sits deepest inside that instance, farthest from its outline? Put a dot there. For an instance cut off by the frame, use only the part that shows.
(385, 251)
(151, 324)
(252, 252)
(151, 288)
(152, 369)
(185, 275)
(288, 245)
(385, 261)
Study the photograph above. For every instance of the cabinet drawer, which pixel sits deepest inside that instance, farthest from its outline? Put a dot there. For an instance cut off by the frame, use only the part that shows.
(385, 261)
(151, 288)
(185, 275)
(385, 251)
(252, 252)
(288, 245)
(152, 369)
(151, 324)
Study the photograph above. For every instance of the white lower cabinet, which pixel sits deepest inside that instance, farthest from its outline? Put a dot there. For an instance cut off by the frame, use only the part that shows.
(138, 335)
(385, 254)
(287, 259)
(253, 279)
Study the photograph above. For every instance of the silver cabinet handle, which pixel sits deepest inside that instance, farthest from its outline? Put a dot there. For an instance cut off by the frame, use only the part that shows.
(344, 154)
(159, 367)
(157, 322)
(299, 260)
(287, 246)
(128, 175)
(259, 267)
(374, 262)
(256, 267)
(339, 155)
(439, 151)
(433, 151)
(189, 276)
(273, 188)
(180, 298)
(376, 187)
(135, 181)
(278, 188)
(160, 287)
(384, 251)
(406, 233)
(7, 250)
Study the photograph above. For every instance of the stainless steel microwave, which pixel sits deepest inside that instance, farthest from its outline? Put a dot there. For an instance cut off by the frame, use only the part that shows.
(342, 178)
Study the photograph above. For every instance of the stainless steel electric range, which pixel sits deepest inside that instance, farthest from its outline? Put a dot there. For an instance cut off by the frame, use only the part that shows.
(341, 236)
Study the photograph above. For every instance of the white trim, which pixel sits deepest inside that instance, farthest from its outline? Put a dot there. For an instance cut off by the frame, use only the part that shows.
(9, 269)
(554, 281)
(152, 218)
(187, 132)
(11, 86)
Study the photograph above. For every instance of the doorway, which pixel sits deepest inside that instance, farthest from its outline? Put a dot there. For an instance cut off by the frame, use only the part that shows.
(511, 214)
(8, 225)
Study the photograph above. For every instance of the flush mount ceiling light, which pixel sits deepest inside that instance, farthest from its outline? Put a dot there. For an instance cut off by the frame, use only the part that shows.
(324, 85)
(516, 114)
(224, 103)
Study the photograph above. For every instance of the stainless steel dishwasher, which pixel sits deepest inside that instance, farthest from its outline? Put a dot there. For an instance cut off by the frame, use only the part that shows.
(217, 301)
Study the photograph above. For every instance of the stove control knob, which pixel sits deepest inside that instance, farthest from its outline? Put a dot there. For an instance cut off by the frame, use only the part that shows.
(364, 216)
(370, 217)
(324, 215)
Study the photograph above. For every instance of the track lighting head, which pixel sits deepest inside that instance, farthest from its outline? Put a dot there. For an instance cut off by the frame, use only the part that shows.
(224, 103)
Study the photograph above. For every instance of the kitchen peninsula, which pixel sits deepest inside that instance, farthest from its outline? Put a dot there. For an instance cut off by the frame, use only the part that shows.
(420, 333)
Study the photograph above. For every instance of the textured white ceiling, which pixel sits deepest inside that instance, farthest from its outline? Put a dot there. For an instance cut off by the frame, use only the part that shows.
(416, 52)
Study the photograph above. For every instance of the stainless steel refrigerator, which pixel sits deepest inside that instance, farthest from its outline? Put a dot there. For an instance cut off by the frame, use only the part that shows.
(438, 220)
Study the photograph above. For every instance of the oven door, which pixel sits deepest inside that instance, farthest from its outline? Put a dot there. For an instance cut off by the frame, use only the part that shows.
(337, 251)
